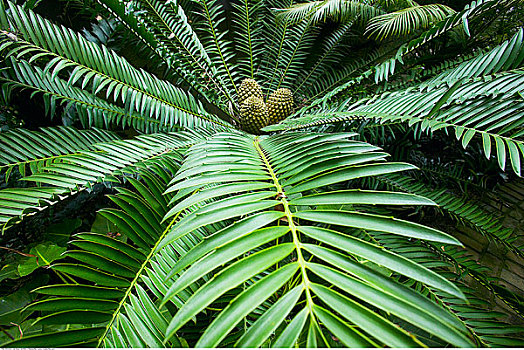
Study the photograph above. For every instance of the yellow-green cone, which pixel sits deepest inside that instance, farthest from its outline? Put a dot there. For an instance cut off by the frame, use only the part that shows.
(254, 115)
(279, 105)
(248, 88)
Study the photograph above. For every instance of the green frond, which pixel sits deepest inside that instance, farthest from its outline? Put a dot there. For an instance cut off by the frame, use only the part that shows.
(79, 171)
(505, 57)
(275, 170)
(334, 77)
(248, 39)
(387, 68)
(316, 12)
(488, 327)
(174, 40)
(406, 21)
(394, 5)
(461, 210)
(332, 53)
(457, 20)
(417, 75)
(492, 111)
(494, 119)
(89, 108)
(219, 238)
(217, 46)
(106, 273)
(274, 39)
(30, 151)
(103, 69)
(298, 12)
(295, 49)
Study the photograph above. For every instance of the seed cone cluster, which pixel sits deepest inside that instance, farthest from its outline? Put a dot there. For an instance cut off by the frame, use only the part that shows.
(255, 114)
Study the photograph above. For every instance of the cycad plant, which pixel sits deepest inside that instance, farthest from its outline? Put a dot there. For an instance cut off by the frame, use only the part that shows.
(266, 178)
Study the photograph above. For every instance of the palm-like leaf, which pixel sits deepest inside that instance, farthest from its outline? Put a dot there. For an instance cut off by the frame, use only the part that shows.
(79, 171)
(406, 21)
(35, 149)
(331, 53)
(287, 50)
(248, 39)
(106, 272)
(165, 28)
(389, 66)
(232, 240)
(493, 111)
(276, 173)
(215, 42)
(338, 10)
(488, 330)
(92, 110)
(462, 209)
(103, 69)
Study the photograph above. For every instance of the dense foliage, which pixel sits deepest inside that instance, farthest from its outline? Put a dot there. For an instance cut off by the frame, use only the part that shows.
(165, 203)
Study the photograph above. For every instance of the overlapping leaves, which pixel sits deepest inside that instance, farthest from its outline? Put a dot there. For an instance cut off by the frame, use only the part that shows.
(281, 187)
(91, 110)
(29, 151)
(488, 326)
(390, 61)
(76, 172)
(407, 21)
(480, 97)
(89, 64)
(101, 272)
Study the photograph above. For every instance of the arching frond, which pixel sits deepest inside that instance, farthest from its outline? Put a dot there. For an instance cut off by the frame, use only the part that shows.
(460, 19)
(92, 110)
(387, 68)
(289, 239)
(493, 111)
(79, 171)
(30, 151)
(492, 119)
(316, 12)
(394, 5)
(507, 56)
(175, 41)
(296, 46)
(247, 30)
(461, 209)
(106, 272)
(331, 54)
(275, 36)
(406, 21)
(334, 77)
(417, 75)
(217, 46)
(103, 69)
(275, 170)
(487, 326)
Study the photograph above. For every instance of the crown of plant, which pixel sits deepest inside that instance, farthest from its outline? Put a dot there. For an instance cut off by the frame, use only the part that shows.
(248, 88)
(253, 115)
(279, 105)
